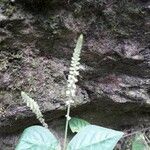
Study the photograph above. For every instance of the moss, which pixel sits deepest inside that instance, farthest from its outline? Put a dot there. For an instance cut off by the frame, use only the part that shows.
(10, 10)
(3, 1)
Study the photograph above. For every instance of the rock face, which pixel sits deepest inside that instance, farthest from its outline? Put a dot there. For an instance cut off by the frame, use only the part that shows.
(37, 39)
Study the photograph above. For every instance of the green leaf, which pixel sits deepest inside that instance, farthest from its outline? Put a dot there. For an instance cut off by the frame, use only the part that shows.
(37, 138)
(94, 137)
(140, 143)
(77, 124)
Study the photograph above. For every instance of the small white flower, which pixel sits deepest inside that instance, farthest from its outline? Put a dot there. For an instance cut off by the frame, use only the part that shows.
(67, 93)
(68, 117)
(67, 103)
(71, 101)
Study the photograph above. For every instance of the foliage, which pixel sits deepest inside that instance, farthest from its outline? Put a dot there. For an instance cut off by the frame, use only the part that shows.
(139, 143)
(77, 124)
(89, 137)
(93, 137)
(37, 138)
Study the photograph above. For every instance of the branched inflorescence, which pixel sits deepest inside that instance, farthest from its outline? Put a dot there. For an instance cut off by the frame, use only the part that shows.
(34, 107)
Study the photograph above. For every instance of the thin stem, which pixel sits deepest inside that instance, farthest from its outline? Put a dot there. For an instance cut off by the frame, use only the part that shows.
(130, 134)
(148, 141)
(66, 128)
(71, 86)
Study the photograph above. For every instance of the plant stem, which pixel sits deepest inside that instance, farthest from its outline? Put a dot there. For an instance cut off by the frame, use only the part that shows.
(71, 86)
(66, 128)
(133, 133)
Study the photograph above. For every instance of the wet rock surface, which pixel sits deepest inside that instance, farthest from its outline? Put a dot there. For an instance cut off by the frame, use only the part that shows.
(36, 44)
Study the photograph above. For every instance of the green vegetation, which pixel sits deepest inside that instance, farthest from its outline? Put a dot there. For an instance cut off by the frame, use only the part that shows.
(77, 124)
(88, 137)
(139, 143)
(3, 1)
